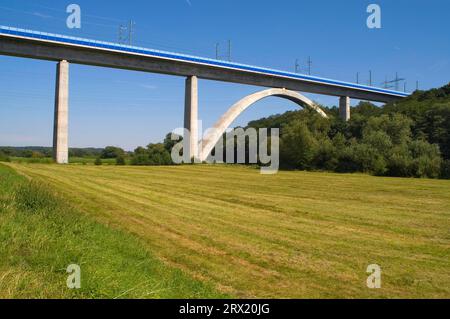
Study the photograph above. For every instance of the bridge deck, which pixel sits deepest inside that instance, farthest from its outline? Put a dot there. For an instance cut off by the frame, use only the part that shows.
(40, 45)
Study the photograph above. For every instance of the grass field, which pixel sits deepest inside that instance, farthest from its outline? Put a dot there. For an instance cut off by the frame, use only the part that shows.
(40, 236)
(73, 160)
(293, 234)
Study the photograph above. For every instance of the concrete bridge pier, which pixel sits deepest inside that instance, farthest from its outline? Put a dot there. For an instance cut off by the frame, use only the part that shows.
(344, 108)
(61, 123)
(191, 115)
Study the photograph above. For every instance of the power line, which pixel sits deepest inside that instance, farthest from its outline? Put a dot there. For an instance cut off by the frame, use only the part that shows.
(393, 83)
(62, 19)
(386, 84)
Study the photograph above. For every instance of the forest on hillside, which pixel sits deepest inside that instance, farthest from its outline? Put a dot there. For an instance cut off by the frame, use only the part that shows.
(409, 138)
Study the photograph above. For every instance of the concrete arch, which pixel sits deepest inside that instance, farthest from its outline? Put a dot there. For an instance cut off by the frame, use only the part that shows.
(228, 118)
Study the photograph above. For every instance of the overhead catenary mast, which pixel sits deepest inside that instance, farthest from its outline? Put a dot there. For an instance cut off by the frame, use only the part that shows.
(393, 83)
(297, 66)
(309, 65)
(126, 33)
(228, 55)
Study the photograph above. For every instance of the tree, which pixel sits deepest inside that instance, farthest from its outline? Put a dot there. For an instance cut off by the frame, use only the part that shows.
(435, 126)
(426, 159)
(445, 169)
(154, 154)
(399, 162)
(140, 151)
(158, 154)
(298, 146)
(378, 140)
(327, 156)
(169, 143)
(365, 158)
(366, 109)
(396, 126)
(112, 152)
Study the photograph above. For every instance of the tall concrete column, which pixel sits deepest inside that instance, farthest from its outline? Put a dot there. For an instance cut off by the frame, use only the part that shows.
(344, 108)
(61, 123)
(191, 114)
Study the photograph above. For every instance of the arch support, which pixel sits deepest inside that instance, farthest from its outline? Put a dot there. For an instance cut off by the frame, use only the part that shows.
(213, 136)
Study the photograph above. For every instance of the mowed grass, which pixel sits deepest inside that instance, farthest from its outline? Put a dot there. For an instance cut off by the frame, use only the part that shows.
(289, 235)
(73, 160)
(41, 235)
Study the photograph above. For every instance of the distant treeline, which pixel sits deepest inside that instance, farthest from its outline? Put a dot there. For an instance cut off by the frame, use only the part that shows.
(409, 138)
(40, 151)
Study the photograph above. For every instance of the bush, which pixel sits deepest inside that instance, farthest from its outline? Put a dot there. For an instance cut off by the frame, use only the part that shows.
(120, 160)
(112, 152)
(399, 162)
(298, 146)
(4, 157)
(27, 154)
(368, 159)
(98, 161)
(426, 159)
(327, 155)
(36, 154)
(140, 159)
(155, 154)
(158, 155)
(346, 161)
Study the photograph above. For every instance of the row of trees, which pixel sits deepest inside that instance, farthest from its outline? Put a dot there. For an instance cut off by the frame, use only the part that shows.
(43, 152)
(372, 142)
(153, 154)
(409, 138)
(385, 147)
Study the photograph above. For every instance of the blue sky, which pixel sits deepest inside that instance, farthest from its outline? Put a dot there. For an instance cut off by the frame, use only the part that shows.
(127, 109)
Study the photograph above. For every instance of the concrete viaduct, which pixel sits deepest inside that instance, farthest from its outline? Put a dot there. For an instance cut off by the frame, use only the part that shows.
(65, 50)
